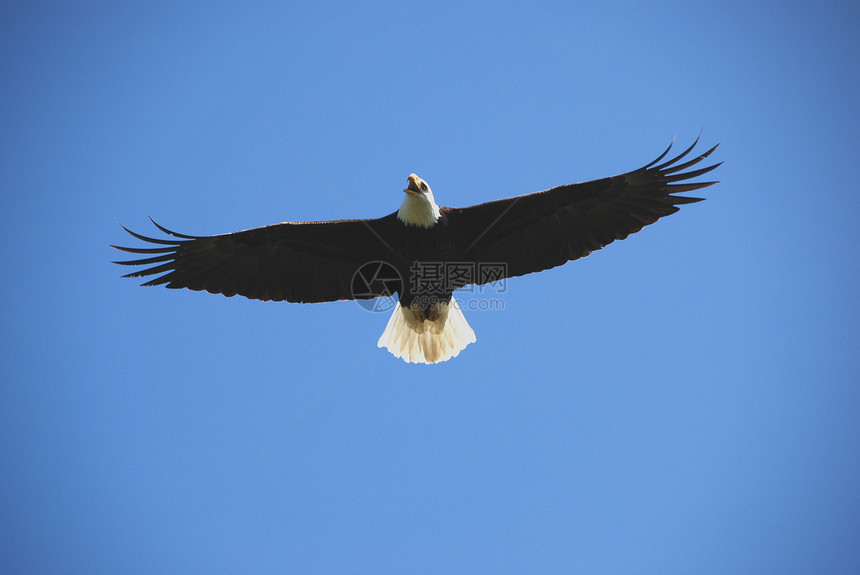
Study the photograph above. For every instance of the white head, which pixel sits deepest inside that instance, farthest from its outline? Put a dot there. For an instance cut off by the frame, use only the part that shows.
(418, 207)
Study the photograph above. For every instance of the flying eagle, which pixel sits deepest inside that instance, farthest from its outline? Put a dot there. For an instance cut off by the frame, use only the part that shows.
(422, 252)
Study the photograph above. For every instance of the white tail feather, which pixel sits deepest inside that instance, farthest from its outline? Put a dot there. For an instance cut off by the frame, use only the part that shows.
(423, 341)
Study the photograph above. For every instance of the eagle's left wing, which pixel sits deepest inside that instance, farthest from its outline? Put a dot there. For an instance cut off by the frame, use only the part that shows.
(545, 229)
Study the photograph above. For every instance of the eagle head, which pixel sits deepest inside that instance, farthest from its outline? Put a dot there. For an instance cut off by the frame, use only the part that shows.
(419, 207)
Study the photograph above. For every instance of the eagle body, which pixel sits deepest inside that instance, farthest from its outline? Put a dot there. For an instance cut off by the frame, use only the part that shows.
(422, 252)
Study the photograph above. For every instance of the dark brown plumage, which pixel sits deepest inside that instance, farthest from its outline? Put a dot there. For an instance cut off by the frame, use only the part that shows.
(316, 261)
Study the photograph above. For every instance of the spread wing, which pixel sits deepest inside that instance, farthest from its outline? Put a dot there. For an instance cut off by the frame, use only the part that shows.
(545, 229)
(298, 262)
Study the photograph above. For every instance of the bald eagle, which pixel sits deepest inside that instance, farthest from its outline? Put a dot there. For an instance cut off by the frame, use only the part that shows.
(422, 252)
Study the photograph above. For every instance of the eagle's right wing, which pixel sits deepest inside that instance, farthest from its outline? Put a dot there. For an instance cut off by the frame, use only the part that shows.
(298, 262)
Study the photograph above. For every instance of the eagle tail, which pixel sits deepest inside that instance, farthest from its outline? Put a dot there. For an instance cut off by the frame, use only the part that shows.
(415, 339)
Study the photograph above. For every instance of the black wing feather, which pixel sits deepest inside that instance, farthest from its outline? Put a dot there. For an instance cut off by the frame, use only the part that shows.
(298, 262)
(546, 229)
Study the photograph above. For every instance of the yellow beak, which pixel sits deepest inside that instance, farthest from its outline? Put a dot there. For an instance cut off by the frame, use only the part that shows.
(413, 187)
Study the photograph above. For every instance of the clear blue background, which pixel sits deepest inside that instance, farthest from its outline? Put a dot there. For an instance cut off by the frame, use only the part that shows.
(699, 381)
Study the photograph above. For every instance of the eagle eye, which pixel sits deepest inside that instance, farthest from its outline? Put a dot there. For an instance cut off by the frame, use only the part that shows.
(423, 187)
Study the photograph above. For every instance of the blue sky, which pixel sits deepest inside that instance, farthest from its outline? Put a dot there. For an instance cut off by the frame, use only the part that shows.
(683, 401)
